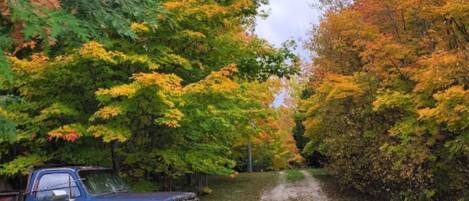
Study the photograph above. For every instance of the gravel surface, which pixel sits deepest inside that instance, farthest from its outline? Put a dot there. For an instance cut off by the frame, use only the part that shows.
(308, 189)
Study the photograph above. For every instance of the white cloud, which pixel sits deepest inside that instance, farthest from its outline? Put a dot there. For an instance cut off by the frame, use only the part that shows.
(288, 19)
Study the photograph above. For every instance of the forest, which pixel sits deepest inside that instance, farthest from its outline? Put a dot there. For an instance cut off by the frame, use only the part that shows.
(169, 91)
(155, 89)
(388, 102)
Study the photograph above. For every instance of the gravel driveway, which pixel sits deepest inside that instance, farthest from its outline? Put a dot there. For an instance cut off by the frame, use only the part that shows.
(308, 189)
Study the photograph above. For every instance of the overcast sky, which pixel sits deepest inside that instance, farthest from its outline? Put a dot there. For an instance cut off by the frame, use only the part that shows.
(288, 19)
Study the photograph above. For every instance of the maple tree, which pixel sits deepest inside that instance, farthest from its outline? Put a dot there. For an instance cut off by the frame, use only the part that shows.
(154, 89)
(388, 103)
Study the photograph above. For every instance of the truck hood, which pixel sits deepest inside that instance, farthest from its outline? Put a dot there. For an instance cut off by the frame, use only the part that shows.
(163, 196)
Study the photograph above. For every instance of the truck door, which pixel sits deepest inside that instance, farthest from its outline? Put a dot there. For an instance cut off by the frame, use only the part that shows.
(50, 186)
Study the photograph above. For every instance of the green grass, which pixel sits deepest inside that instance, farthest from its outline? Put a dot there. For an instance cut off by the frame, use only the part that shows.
(294, 175)
(245, 187)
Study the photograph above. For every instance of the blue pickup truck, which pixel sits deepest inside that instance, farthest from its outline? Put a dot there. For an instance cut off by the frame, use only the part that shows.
(85, 184)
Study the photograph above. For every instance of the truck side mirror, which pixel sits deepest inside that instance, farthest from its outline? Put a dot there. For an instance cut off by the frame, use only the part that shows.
(59, 194)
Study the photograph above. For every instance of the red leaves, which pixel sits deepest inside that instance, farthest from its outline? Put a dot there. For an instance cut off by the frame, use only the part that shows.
(72, 136)
(66, 133)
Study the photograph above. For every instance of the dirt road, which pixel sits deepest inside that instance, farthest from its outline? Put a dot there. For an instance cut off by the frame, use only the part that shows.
(308, 189)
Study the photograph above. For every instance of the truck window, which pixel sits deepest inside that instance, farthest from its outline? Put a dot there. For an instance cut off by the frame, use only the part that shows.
(99, 182)
(56, 181)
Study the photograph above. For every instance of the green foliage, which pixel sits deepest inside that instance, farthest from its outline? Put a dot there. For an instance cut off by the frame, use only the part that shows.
(261, 65)
(22, 165)
(5, 72)
(44, 22)
(7, 123)
(82, 20)
(154, 88)
(199, 37)
(144, 187)
(114, 17)
(7, 128)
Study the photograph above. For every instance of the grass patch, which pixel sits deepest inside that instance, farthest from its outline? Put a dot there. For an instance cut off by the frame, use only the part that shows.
(294, 175)
(245, 187)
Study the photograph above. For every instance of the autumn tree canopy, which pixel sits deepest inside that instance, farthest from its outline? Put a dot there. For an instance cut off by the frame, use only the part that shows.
(389, 96)
(151, 88)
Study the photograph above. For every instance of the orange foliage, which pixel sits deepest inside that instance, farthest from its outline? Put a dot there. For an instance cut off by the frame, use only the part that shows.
(51, 4)
(4, 10)
(66, 133)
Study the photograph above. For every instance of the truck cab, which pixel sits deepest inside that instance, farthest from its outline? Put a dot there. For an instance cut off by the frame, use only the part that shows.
(89, 184)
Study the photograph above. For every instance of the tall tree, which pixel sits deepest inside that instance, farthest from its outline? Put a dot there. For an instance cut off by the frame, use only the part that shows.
(389, 103)
(150, 87)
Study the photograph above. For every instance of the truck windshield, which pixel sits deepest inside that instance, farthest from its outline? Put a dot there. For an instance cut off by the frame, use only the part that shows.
(98, 182)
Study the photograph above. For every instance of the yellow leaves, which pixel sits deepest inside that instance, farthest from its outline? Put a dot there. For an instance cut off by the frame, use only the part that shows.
(177, 60)
(264, 92)
(228, 70)
(418, 93)
(393, 100)
(455, 93)
(3, 112)
(440, 70)
(174, 5)
(426, 113)
(452, 108)
(198, 7)
(167, 82)
(340, 87)
(312, 126)
(193, 34)
(94, 50)
(210, 10)
(109, 134)
(154, 94)
(455, 8)
(218, 81)
(22, 165)
(242, 5)
(107, 112)
(126, 90)
(22, 66)
(171, 118)
(274, 135)
(382, 54)
(139, 27)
